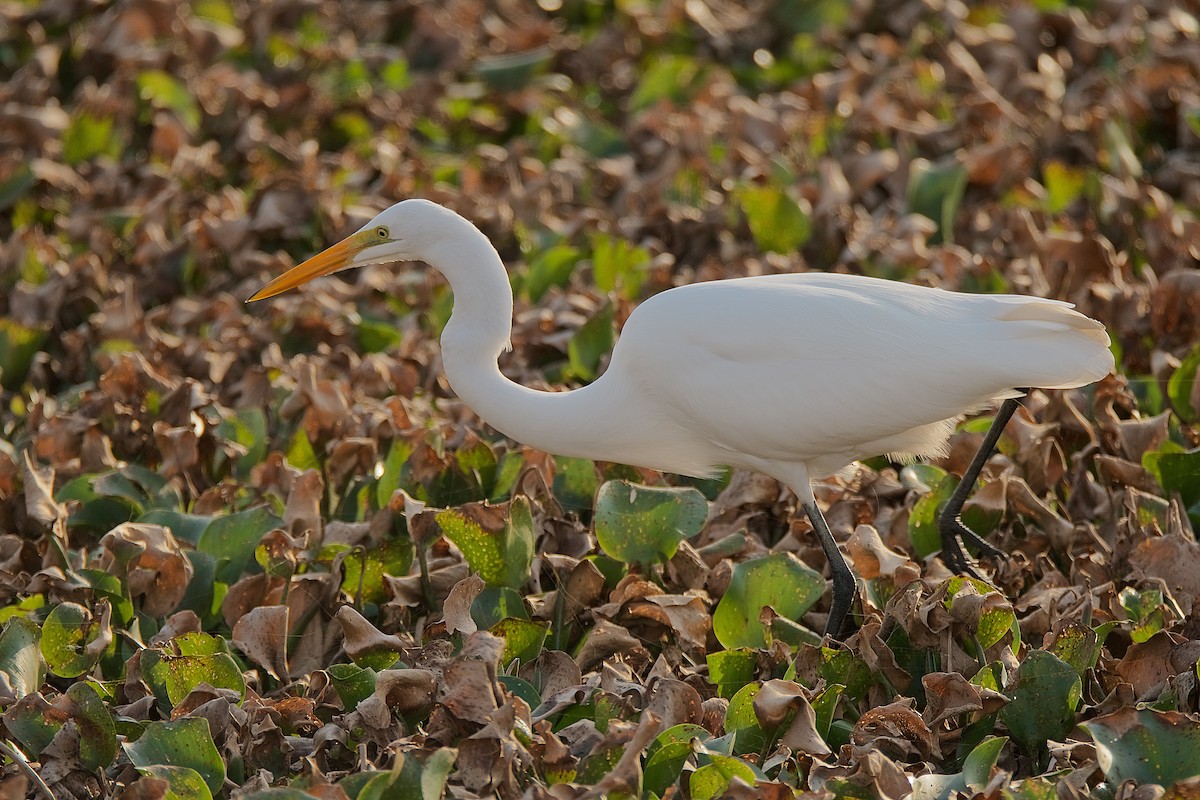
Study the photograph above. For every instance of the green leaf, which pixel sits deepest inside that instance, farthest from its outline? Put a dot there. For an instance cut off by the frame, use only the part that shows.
(713, 779)
(97, 733)
(1181, 387)
(639, 524)
(975, 775)
(1077, 645)
(550, 267)
(523, 639)
(1044, 698)
(300, 453)
(742, 722)
(393, 471)
(521, 688)
(495, 603)
(88, 136)
(33, 722)
(182, 743)
(20, 656)
(575, 483)
(67, 631)
(995, 622)
(1178, 472)
(1064, 185)
(589, 345)
(365, 570)
(185, 527)
(376, 335)
(1146, 746)
(824, 705)
(247, 428)
(185, 783)
(165, 91)
(665, 765)
(173, 677)
(18, 345)
(618, 265)
(232, 539)
(667, 76)
(352, 683)
(497, 541)
(777, 222)
(844, 668)
(977, 769)
(923, 519)
(730, 670)
(1145, 610)
(935, 191)
(780, 581)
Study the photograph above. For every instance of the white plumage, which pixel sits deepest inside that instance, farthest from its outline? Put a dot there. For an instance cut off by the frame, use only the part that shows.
(792, 375)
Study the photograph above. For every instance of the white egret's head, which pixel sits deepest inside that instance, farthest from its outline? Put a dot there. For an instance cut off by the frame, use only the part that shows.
(400, 233)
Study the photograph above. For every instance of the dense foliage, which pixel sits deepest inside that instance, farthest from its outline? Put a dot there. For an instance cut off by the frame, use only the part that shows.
(264, 551)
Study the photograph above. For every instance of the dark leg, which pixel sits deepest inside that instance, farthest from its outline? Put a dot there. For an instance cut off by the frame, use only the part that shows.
(954, 532)
(843, 578)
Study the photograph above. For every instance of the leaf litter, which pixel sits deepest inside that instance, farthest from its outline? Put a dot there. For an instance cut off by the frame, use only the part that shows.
(250, 548)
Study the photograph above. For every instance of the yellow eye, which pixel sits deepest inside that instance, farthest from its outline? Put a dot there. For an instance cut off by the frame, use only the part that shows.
(381, 232)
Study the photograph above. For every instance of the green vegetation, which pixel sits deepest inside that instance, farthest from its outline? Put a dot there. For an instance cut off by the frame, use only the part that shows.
(264, 551)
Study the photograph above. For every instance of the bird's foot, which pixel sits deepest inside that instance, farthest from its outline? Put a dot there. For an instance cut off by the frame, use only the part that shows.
(954, 555)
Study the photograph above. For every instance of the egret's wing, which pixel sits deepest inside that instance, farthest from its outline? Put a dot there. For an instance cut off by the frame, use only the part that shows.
(798, 367)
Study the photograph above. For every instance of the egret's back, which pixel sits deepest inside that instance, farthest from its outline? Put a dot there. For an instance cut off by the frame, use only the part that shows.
(825, 369)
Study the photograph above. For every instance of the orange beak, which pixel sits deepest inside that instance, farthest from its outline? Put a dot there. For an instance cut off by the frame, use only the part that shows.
(331, 260)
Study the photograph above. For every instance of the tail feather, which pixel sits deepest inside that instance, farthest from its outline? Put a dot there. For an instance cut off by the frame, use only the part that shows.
(1067, 349)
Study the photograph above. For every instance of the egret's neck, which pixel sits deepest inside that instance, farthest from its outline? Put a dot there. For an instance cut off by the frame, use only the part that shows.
(478, 331)
(481, 323)
(600, 421)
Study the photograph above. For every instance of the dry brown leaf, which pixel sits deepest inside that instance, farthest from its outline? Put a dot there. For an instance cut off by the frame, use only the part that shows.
(362, 638)
(262, 634)
(457, 609)
(157, 569)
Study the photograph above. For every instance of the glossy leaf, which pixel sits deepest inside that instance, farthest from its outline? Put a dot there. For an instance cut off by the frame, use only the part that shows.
(21, 657)
(181, 743)
(640, 524)
(712, 779)
(97, 732)
(523, 639)
(1044, 698)
(497, 541)
(779, 581)
(184, 783)
(730, 670)
(1146, 746)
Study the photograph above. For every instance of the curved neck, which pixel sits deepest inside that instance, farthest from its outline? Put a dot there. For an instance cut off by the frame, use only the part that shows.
(567, 423)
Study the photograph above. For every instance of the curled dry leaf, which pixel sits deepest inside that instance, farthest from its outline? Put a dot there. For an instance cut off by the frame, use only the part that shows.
(896, 730)
(262, 634)
(872, 559)
(157, 569)
(457, 608)
(361, 638)
(470, 690)
(675, 703)
(775, 701)
(405, 691)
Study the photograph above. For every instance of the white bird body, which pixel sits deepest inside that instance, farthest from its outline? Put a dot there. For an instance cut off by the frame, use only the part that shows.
(792, 375)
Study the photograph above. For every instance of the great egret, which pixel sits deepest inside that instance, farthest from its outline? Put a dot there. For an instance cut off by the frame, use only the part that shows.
(792, 375)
